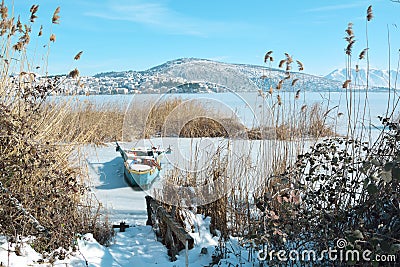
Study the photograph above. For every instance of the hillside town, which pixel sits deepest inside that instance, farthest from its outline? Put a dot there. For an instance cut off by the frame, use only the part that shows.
(186, 76)
(205, 76)
(132, 83)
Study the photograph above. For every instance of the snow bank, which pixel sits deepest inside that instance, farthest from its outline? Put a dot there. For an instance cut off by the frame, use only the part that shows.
(137, 246)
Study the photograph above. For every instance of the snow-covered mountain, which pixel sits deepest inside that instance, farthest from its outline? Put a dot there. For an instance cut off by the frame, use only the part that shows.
(239, 77)
(210, 75)
(194, 75)
(377, 78)
(243, 77)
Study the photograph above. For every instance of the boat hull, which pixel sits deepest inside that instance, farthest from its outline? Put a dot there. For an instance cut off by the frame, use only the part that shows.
(141, 179)
(139, 175)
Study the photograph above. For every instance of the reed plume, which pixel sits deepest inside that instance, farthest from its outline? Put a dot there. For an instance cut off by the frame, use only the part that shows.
(271, 90)
(18, 46)
(370, 15)
(279, 85)
(346, 84)
(13, 30)
(23, 40)
(56, 17)
(297, 94)
(289, 58)
(294, 81)
(74, 73)
(33, 17)
(78, 56)
(349, 38)
(362, 54)
(53, 37)
(300, 65)
(349, 29)
(349, 47)
(268, 56)
(19, 25)
(34, 8)
(33, 11)
(281, 63)
(3, 11)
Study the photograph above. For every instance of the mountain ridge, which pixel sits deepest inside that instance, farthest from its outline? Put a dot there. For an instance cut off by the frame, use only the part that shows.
(237, 77)
(376, 78)
(196, 75)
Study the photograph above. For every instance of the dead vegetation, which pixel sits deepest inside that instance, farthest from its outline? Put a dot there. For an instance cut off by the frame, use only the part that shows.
(41, 193)
(98, 123)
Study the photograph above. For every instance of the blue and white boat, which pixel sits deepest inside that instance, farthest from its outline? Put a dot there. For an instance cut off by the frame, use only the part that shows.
(142, 165)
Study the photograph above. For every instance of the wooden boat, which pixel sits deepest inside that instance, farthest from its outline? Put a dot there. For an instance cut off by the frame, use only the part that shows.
(142, 165)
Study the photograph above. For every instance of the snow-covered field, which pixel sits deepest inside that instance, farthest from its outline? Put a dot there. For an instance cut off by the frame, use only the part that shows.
(138, 245)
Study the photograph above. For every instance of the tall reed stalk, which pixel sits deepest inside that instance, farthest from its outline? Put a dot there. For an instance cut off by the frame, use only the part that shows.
(39, 185)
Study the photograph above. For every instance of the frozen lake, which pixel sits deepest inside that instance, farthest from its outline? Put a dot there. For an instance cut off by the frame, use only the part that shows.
(252, 109)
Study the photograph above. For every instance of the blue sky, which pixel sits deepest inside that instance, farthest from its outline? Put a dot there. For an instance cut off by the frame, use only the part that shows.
(120, 35)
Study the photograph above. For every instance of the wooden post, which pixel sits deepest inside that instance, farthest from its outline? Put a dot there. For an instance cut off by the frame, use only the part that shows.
(169, 240)
(174, 248)
(149, 211)
(187, 253)
(122, 226)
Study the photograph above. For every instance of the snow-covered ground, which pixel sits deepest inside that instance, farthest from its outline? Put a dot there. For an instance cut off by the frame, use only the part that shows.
(138, 245)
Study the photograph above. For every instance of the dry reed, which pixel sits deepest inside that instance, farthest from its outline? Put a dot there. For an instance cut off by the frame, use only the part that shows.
(42, 193)
(91, 122)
